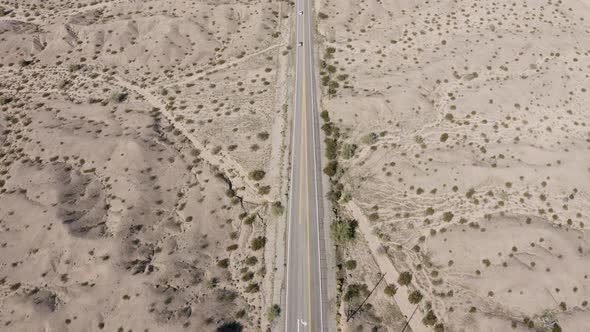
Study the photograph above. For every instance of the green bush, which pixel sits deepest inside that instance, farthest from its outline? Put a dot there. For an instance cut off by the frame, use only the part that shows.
(5, 100)
(73, 67)
(263, 190)
(369, 139)
(415, 297)
(331, 168)
(346, 197)
(212, 283)
(331, 148)
(390, 290)
(328, 128)
(251, 260)
(24, 63)
(273, 312)
(252, 288)
(263, 136)
(277, 208)
(448, 216)
(333, 85)
(405, 278)
(249, 220)
(355, 290)
(342, 77)
(430, 318)
(444, 137)
(224, 263)
(348, 151)
(118, 97)
(248, 276)
(342, 232)
(230, 326)
(528, 322)
(334, 196)
(350, 264)
(226, 296)
(258, 243)
(257, 175)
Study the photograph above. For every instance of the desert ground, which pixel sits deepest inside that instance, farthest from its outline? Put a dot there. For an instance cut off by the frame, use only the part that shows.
(459, 143)
(142, 173)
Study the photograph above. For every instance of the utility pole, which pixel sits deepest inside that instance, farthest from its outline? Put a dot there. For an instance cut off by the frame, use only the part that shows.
(365, 300)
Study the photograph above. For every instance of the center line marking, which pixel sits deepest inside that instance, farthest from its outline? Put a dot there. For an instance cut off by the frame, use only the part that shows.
(306, 174)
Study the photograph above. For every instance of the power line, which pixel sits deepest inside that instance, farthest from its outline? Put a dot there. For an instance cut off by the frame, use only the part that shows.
(408, 321)
(365, 300)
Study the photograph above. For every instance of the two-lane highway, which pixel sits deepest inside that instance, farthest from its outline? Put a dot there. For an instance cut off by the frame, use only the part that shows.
(305, 294)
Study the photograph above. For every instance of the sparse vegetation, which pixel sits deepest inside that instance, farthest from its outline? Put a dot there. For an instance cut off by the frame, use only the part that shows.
(74, 67)
(369, 139)
(223, 263)
(273, 313)
(342, 232)
(415, 297)
(448, 216)
(257, 175)
(373, 217)
(277, 208)
(4, 100)
(390, 290)
(331, 168)
(447, 126)
(24, 62)
(354, 291)
(405, 278)
(430, 318)
(118, 97)
(348, 151)
(350, 264)
(230, 327)
(258, 243)
(263, 136)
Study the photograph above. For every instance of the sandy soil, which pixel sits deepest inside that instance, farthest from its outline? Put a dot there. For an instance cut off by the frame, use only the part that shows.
(142, 149)
(469, 120)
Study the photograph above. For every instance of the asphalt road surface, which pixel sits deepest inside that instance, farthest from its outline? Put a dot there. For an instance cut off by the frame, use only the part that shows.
(306, 293)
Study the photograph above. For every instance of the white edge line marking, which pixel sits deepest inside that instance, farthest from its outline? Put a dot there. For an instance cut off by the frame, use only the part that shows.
(292, 166)
(315, 168)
